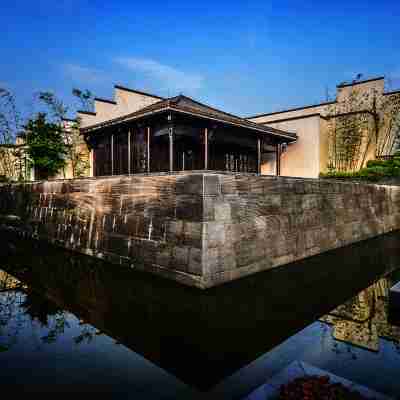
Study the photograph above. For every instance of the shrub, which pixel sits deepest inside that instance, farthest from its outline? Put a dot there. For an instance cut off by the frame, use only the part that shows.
(374, 171)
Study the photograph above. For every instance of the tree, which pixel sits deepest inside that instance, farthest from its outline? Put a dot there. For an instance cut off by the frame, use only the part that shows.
(76, 154)
(85, 97)
(363, 125)
(10, 125)
(46, 146)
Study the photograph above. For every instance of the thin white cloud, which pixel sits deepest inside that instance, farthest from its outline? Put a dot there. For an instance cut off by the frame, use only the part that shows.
(166, 76)
(82, 74)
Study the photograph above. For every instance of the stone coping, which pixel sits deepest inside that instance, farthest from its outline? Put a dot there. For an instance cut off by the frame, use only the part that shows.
(297, 369)
(206, 172)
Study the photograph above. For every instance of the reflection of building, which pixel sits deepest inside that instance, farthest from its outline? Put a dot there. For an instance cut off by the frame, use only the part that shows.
(364, 318)
(8, 282)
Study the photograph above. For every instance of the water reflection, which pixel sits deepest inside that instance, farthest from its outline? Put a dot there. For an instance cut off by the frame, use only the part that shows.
(23, 309)
(364, 318)
(98, 320)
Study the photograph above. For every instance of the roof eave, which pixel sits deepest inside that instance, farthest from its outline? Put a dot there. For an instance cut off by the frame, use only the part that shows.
(263, 130)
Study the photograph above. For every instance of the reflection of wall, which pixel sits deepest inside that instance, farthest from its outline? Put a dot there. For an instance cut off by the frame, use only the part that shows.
(364, 318)
(199, 336)
(7, 281)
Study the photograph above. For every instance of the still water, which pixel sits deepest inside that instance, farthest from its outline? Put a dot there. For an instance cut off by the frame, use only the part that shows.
(70, 323)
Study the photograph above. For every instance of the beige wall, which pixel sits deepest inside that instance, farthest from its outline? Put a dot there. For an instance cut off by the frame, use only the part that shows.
(302, 158)
(127, 102)
(342, 93)
(264, 119)
(310, 154)
(323, 145)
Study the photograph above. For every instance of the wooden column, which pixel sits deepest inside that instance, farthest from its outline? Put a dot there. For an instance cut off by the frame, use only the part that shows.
(259, 156)
(278, 159)
(205, 148)
(91, 163)
(171, 148)
(129, 151)
(112, 154)
(148, 149)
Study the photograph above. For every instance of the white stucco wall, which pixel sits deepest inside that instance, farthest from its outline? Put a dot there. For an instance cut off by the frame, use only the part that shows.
(127, 101)
(302, 158)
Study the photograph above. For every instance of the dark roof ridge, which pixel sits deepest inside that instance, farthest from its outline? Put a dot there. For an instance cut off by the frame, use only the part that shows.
(105, 100)
(293, 118)
(172, 103)
(138, 92)
(212, 108)
(86, 112)
(293, 109)
(392, 92)
(341, 85)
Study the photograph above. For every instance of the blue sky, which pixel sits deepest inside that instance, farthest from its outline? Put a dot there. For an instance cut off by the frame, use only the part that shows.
(245, 57)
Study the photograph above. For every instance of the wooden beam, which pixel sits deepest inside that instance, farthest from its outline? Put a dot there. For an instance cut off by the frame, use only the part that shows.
(148, 149)
(278, 159)
(205, 148)
(259, 156)
(171, 148)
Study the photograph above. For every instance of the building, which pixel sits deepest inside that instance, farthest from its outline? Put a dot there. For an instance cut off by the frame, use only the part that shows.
(142, 133)
(312, 152)
(14, 161)
(139, 132)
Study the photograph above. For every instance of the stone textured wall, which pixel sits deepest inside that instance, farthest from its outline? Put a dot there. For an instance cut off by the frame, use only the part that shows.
(201, 229)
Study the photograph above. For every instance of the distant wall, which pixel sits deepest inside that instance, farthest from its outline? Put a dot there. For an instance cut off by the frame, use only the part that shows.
(201, 229)
(302, 158)
(125, 101)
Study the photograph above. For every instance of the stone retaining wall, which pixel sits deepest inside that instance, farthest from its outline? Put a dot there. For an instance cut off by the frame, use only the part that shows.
(201, 229)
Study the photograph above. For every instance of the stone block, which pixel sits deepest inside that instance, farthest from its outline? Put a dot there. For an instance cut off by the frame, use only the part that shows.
(180, 256)
(195, 261)
(212, 185)
(164, 256)
(192, 234)
(222, 211)
(174, 231)
(189, 184)
(214, 234)
(208, 209)
(189, 208)
(210, 260)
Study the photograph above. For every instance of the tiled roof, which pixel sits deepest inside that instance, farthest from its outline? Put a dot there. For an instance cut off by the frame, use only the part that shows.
(186, 105)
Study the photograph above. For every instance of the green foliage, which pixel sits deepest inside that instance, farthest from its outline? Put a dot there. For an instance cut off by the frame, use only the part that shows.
(375, 170)
(4, 178)
(46, 146)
